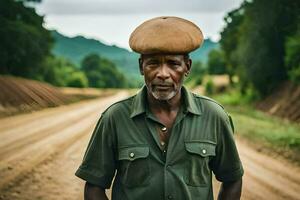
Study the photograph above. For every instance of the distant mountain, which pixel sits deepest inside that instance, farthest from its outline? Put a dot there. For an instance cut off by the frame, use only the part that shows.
(76, 48)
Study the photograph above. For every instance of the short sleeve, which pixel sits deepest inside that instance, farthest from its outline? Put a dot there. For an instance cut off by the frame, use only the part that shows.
(98, 165)
(226, 165)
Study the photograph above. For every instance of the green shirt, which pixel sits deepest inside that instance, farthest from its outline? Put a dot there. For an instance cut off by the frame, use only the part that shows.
(126, 141)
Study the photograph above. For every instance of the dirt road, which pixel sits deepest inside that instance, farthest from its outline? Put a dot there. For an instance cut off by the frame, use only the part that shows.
(40, 152)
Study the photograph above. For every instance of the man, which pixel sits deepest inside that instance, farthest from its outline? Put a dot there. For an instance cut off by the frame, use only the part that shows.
(164, 142)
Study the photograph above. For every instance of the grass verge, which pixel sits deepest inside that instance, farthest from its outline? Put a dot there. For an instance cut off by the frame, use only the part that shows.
(273, 134)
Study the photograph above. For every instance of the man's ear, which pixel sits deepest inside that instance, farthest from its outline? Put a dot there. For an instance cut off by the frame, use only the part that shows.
(141, 66)
(188, 65)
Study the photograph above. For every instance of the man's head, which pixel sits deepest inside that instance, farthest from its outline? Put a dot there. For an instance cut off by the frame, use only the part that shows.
(164, 44)
(164, 73)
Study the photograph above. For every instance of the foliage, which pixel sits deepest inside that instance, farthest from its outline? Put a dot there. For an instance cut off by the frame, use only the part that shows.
(216, 63)
(209, 87)
(25, 43)
(61, 72)
(234, 97)
(254, 39)
(78, 80)
(230, 39)
(272, 132)
(102, 73)
(292, 58)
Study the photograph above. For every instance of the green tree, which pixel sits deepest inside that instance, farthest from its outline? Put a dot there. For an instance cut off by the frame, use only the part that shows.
(61, 72)
(292, 58)
(230, 39)
(78, 79)
(102, 72)
(25, 43)
(254, 41)
(216, 63)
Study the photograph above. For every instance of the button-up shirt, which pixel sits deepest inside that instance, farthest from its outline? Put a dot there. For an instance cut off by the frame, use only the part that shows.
(125, 145)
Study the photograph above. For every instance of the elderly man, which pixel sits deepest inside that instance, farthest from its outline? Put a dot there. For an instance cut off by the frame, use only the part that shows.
(164, 142)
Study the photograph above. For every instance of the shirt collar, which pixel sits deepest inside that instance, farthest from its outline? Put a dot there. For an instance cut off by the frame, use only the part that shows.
(190, 102)
(140, 100)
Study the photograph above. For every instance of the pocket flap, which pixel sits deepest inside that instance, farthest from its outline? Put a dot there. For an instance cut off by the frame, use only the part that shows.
(133, 152)
(201, 148)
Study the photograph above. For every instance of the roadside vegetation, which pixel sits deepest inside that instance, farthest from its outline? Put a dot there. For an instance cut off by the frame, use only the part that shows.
(266, 132)
(30, 54)
(259, 52)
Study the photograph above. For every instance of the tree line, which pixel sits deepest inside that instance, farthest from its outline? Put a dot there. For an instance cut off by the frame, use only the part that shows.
(25, 51)
(260, 44)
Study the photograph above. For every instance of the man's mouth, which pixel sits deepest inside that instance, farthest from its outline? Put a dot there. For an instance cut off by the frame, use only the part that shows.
(162, 86)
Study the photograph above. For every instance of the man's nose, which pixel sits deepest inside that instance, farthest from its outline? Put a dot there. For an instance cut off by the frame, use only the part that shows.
(163, 72)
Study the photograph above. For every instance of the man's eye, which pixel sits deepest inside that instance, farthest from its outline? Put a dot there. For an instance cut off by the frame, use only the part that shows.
(152, 63)
(175, 64)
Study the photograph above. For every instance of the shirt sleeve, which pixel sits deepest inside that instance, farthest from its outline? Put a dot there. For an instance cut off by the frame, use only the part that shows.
(226, 165)
(99, 165)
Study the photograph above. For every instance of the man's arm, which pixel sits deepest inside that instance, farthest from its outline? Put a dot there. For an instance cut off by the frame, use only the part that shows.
(94, 192)
(230, 190)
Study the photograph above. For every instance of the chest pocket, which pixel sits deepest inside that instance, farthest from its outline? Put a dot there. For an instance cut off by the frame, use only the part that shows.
(134, 166)
(197, 171)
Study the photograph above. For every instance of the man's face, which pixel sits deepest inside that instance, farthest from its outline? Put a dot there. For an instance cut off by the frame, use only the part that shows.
(164, 74)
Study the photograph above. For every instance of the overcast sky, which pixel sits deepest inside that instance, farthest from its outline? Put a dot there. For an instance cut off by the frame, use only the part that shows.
(112, 21)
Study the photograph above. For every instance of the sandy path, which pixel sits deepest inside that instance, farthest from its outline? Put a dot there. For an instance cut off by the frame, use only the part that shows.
(45, 141)
(40, 152)
(267, 177)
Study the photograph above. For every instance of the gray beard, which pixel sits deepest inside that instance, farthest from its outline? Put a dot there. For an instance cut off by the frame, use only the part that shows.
(163, 97)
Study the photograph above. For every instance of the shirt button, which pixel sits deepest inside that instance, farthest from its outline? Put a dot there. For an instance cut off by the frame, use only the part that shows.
(170, 197)
(162, 143)
(131, 155)
(164, 129)
(204, 151)
(164, 151)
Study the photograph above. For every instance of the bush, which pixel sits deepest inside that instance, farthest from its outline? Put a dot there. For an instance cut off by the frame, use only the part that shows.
(209, 87)
(102, 73)
(61, 72)
(77, 79)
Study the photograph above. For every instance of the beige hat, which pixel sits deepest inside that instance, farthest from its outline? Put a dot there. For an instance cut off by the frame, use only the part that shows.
(172, 35)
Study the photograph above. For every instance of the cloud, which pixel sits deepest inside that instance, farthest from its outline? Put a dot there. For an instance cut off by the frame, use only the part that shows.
(103, 7)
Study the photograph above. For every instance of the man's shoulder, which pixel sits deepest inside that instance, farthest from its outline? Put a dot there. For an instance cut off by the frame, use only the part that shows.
(209, 105)
(212, 108)
(119, 107)
(206, 100)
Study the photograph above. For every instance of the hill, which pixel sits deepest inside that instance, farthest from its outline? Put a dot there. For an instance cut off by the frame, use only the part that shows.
(76, 48)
